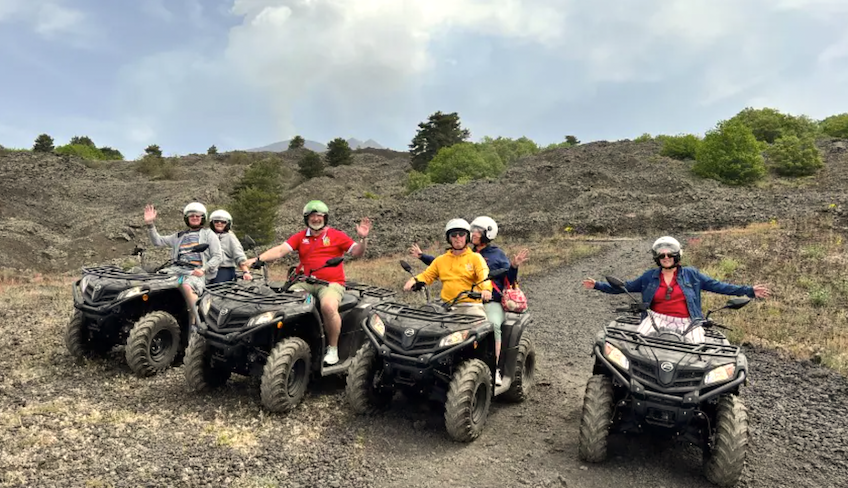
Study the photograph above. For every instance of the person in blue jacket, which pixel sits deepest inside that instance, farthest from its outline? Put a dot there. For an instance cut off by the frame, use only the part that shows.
(483, 231)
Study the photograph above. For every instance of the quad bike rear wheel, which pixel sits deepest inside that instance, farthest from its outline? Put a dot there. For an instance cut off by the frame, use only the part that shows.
(286, 375)
(525, 371)
(153, 343)
(468, 400)
(362, 395)
(725, 458)
(596, 418)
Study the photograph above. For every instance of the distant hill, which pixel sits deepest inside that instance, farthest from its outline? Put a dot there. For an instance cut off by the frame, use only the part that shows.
(317, 146)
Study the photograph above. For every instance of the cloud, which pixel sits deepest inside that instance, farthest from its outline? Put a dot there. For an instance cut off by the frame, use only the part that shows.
(156, 9)
(51, 20)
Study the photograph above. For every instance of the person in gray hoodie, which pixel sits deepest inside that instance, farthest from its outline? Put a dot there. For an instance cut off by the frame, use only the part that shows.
(194, 215)
(233, 253)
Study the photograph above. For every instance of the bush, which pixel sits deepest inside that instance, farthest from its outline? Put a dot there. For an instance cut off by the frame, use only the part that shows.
(645, 137)
(768, 124)
(572, 140)
(794, 156)
(153, 150)
(511, 150)
(835, 126)
(681, 147)
(297, 142)
(338, 152)
(84, 151)
(417, 180)
(157, 167)
(730, 153)
(81, 141)
(558, 145)
(464, 159)
(212, 150)
(43, 143)
(111, 154)
(256, 199)
(311, 165)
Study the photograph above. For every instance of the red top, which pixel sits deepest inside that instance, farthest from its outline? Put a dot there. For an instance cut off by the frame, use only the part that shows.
(314, 250)
(675, 305)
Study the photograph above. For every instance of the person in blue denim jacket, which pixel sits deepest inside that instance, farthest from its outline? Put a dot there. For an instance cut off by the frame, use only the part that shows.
(673, 292)
(483, 231)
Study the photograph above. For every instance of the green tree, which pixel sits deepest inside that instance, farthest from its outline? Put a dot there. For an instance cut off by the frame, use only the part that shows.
(311, 165)
(81, 141)
(83, 151)
(440, 131)
(572, 140)
(681, 147)
(730, 153)
(835, 126)
(297, 142)
(768, 124)
(212, 150)
(465, 159)
(338, 152)
(794, 156)
(111, 154)
(153, 150)
(43, 143)
(511, 150)
(255, 201)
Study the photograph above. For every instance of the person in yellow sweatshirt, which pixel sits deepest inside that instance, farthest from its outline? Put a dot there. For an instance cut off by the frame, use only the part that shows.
(458, 268)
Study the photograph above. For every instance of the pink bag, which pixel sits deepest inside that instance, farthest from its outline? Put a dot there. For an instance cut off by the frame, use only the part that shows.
(512, 298)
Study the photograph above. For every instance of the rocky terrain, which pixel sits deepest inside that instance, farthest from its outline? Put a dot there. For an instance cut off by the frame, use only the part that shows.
(56, 213)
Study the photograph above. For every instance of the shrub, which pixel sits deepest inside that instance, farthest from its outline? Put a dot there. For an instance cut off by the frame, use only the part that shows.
(311, 165)
(645, 137)
(558, 145)
(835, 126)
(731, 154)
(768, 124)
(511, 150)
(111, 154)
(84, 151)
(794, 156)
(43, 143)
(681, 147)
(256, 199)
(81, 141)
(572, 140)
(153, 150)
(157, 167)
(417, 180)
(297, 142)
(212, 150)
(464, 159)
(338, 152)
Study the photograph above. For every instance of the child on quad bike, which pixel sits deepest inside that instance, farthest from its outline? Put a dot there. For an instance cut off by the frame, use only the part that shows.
(674, 291)
(232, 251)
(207, 262)
(483, 231)
(315, 245)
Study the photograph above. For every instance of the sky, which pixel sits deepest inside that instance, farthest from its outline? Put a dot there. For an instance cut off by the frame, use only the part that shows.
(186, 74)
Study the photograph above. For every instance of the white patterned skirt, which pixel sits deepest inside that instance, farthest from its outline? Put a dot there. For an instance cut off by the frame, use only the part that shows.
(678, 324)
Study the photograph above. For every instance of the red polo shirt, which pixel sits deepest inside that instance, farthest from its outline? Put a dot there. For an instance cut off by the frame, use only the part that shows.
(315, 249)
(675, 305)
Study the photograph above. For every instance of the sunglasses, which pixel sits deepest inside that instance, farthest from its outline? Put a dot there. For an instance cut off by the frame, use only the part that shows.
(458, 233)
(666, 255)
(219, 222)
(192, 215)
(668, 292)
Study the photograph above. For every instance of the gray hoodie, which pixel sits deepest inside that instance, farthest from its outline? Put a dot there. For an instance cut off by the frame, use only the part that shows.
(212, 256)
(232, 250)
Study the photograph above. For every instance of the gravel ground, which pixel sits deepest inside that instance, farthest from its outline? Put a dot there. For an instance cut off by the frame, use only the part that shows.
(95, 424)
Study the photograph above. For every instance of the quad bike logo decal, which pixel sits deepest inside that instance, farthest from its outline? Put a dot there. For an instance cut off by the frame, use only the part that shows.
(409, 332)
(666, 366)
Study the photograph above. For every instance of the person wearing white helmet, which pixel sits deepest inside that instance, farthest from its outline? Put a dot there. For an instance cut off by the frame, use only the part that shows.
(194, 216)
(458, 268)
(673, 292)
(221, 222)
(484, 230)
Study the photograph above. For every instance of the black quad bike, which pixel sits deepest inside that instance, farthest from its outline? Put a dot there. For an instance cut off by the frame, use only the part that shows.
(429, 352)
(145, 311)
(663, 384)
(263, 328)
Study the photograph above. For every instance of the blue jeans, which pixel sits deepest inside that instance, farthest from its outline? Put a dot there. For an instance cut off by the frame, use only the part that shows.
(224, 274)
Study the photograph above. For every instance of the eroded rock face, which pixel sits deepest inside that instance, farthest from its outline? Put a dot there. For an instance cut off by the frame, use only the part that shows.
(621, 188)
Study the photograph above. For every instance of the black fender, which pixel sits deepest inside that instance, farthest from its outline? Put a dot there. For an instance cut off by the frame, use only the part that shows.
(511, 332)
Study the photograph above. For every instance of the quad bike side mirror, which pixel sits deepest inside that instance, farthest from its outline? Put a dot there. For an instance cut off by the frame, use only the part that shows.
(332, 262)
(406, 266)
(199, 248)
(249, 243)
(737, 303)
(616, 282)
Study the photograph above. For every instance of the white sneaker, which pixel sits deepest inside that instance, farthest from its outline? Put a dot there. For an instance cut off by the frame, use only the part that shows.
(332, 356)
(498, 380)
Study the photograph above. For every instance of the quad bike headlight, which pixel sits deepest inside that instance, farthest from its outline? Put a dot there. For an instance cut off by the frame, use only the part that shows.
(377, 325)
(131, 292)
(84, 282)
(720, 374)
(455, 338)
(205, 305)
(262, 318)
(615, 355)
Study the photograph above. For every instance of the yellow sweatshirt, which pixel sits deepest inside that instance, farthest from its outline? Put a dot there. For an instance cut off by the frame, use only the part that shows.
(457, 274)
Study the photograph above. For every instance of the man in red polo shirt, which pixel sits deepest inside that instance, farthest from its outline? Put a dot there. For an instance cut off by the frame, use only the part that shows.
(315, 245)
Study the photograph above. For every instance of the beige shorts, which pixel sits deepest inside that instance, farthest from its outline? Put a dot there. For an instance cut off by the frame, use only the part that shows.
(470, 309)
(321, 291)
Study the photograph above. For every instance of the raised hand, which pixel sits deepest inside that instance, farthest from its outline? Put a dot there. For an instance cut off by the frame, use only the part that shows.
(415, 251)
(761, 291)
(364, 227)
(520, 258)
(149, 214)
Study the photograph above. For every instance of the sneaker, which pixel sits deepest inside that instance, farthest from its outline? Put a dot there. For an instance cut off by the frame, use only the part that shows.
(498, 380)
(332, 356)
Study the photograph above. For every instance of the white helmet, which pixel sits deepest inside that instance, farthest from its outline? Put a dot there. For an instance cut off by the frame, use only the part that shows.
(667, 242)
(488, 225)
(195, 207)
(221, 214)
(456, 224)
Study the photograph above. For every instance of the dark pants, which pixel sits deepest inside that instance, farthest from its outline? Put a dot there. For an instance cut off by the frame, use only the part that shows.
(224, 274)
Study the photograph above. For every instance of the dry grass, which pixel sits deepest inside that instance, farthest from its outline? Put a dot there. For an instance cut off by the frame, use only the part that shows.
(806, 266)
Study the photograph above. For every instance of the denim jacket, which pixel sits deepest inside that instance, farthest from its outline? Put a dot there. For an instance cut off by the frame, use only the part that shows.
(495, 259)
(690, 280)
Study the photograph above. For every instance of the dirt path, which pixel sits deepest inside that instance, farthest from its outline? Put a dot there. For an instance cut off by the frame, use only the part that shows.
(63, 424)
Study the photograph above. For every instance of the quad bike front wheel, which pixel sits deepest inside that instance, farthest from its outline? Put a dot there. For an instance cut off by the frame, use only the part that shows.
(286, 375)
(153, 343)
(199, 373)
(725, 458)
(596, 418)
(362, 395)
(468, 400)
(525, 371)
(78, 338)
